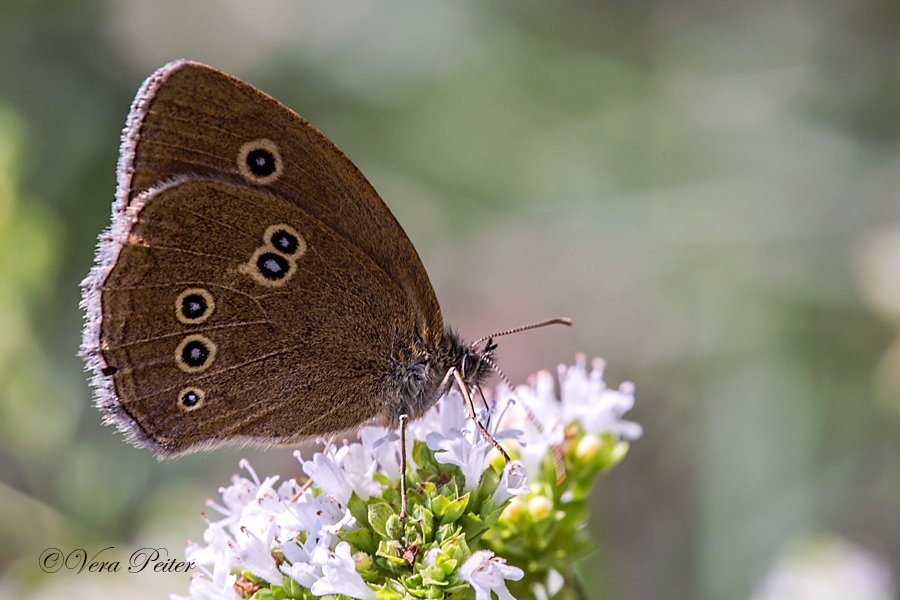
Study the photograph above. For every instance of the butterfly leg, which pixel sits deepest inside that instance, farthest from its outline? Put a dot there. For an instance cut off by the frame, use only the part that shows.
(468, 397)
(404, 419)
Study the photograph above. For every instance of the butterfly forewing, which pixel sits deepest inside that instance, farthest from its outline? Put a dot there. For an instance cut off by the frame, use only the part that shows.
(196, 121)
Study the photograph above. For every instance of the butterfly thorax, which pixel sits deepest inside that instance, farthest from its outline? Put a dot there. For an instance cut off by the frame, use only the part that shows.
(417, 382)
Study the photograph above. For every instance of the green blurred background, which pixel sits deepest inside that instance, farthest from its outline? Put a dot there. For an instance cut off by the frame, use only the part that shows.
(709, 189)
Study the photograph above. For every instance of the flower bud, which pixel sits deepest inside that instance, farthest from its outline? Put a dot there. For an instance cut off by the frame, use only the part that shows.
(588, 447)
(363, 561)
(514, 510)
(540, 507)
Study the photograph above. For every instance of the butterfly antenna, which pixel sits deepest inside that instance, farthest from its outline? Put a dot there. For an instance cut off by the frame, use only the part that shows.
(558, 458)
(559, 463)
(502, 375)
(562, 321)
(531, 416)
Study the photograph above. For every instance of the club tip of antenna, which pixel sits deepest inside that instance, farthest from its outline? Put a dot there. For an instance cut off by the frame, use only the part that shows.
(558, 321)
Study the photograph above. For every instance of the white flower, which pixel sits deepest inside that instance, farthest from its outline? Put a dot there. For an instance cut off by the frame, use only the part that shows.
(218, 585)
(217, 549)
(450, 412)
(599, 409)
(538, 415)
(296, 551)
(236, 496)
(302, 568)
(350, 468)
(359, 466)
(259, 520)
(202, 587)
(327, 475)
(555, 582)
(340, 576)
(317, 514)
(584, 398)
(384, 448)
(326, 572)
(513, 482)
(487, 573)
(465, 450)
(303, 573)
(244, 497)
(255, 553)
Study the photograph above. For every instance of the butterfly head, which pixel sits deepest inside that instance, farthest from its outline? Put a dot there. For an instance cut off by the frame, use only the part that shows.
(472, 361)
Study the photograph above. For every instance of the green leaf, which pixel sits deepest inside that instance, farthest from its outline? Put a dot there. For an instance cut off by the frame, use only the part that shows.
(434, 576)
(377, 515)
(424, 457)
(361, 539)
(414, 498)
(457, 592)
(294, 589)
(490, 479)
(265, 594)
(388, 556)
(445, 563)
(358, 508)
(394, 527)
(423, 522)
(455, 509)
(494, 515)
(413, 581)
(448, 533)
(391, 590)
(420, 512)
(439, 504)
(473, 526)
(457, 549)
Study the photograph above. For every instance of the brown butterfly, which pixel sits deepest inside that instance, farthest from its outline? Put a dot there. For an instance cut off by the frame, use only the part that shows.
(253, 287)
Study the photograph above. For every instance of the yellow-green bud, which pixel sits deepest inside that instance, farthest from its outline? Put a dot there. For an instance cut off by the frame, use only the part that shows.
(588, 447)
(540, 507)
(495, 459)
(363, 561)
(514, 510)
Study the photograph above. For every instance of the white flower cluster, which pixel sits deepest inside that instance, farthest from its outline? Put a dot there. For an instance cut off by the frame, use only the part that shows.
(261, 516)
(258, 518)
(584, 398)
